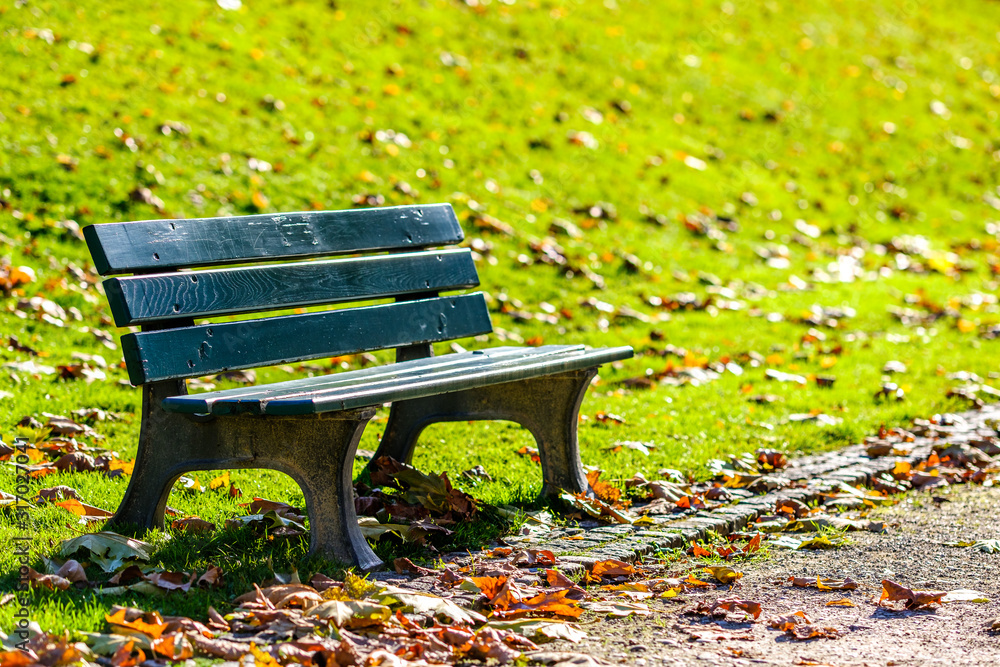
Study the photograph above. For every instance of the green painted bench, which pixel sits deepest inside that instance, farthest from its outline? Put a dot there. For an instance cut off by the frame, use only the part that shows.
(309, 428)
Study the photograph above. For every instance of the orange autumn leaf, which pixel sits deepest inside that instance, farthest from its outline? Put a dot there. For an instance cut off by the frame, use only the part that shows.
(610, 568)
(700, 552)
(80, 509)
(603, 490)
(893, 592)
(695, 582)
(16, 659)
(124, 657)
(489, 586)
(555, 602)
(152, 630)
(753, 545)
(173, 646)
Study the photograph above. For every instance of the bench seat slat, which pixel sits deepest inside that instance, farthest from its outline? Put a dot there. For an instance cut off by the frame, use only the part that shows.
(244, 399)
(161, 245)
(167, 354)
(205, 402)
(159, 297)
(363, 392)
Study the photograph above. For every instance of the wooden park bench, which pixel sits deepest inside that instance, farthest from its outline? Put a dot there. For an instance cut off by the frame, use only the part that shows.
(309, 428)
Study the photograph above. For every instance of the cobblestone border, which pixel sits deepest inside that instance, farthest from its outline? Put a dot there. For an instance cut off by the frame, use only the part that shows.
(821, 472)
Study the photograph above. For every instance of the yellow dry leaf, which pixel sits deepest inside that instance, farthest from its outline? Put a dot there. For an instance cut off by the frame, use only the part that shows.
(222, 481)
(842, 602)
(726, 575)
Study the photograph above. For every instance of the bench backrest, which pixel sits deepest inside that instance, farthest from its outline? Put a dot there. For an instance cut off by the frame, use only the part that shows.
(165, 298)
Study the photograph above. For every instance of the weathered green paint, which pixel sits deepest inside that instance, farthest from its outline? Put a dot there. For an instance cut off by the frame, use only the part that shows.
(159, 297)
(160, 245)
(210, 348)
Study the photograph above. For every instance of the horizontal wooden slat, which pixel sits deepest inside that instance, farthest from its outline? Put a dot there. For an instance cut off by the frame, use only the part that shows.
(413, 379)
(152, 298)
(161, 245)
(231, 401)
(210, 348)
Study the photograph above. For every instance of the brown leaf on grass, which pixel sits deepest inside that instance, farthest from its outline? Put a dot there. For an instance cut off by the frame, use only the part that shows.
(893, 592)
(59, 493)
(75, 462)
(212, 578)
(172, 581)
(51, 581)
(72, 571)
(130, 573)
(60, 425)
(192, 524)
(5, 451)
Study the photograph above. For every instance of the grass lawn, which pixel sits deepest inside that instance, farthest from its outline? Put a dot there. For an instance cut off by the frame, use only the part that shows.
(809, 188)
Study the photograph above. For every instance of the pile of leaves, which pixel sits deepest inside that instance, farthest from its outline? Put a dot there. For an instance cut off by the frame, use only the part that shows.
(485, 610)
(410, 504)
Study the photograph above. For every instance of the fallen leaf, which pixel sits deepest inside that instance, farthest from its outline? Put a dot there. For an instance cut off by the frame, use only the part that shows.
(351, 613)
(842, 602)
(192, 524)
(108, 550)
(724, 574)
(893, 592)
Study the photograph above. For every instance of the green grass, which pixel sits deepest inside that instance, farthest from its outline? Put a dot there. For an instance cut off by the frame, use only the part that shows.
(785, 106)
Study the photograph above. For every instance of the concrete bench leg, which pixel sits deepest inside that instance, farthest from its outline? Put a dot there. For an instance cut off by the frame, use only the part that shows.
(548, 407)
(317, 451)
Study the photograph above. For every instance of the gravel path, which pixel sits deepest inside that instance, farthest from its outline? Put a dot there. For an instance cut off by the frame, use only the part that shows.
(912, 554)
